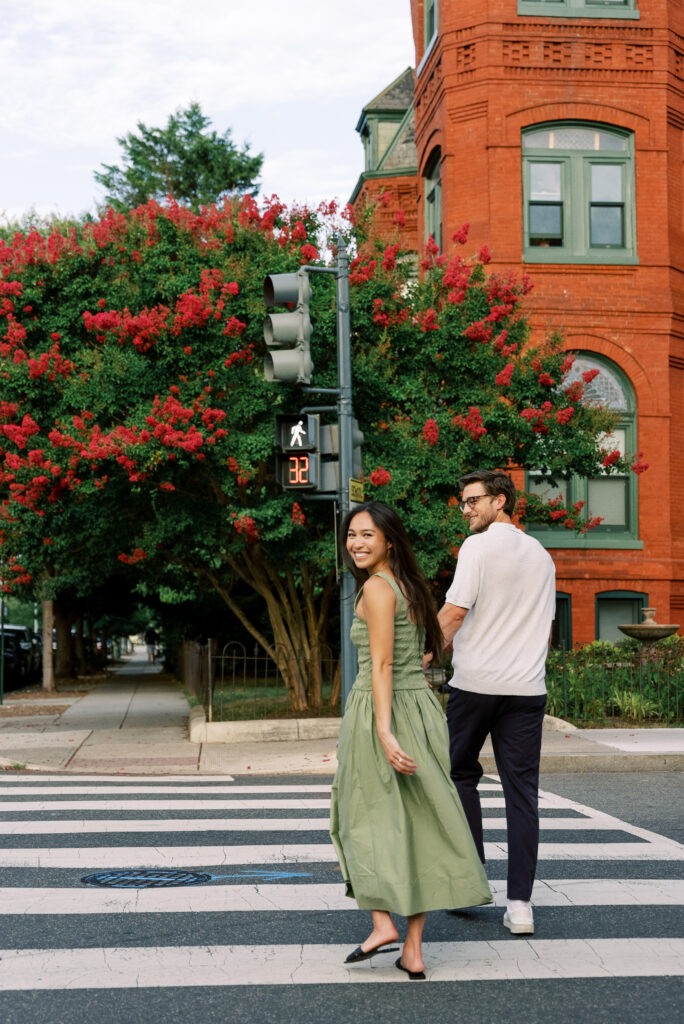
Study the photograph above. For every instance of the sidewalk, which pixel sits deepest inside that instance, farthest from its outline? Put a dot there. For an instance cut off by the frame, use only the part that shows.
(136, 722)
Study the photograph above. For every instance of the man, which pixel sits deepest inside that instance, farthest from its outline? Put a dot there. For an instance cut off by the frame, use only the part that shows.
(498, 614)
(151, 638)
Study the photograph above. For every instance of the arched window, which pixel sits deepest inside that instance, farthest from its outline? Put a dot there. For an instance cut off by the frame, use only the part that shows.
(433, 197)
(578, 188)
(612, 497)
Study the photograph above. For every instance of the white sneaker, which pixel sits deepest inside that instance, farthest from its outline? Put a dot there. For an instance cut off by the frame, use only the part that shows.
(519, 918)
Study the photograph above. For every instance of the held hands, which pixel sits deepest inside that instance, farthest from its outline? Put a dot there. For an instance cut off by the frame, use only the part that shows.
(400, 761)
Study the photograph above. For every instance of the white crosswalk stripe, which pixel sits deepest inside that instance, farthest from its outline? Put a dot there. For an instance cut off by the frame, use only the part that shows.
(54, 828)
(323, 964)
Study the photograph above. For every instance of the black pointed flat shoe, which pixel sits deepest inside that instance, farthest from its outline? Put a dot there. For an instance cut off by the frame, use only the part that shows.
(413, 975)
(358, 955)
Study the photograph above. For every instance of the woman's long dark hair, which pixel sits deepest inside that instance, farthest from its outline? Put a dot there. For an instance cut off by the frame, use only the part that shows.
(404, 566)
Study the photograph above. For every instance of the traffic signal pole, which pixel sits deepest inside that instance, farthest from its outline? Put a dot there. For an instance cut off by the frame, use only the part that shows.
(295, 367)
(345, 419)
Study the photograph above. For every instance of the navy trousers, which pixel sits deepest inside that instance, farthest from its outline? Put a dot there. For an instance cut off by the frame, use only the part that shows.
(515, 725)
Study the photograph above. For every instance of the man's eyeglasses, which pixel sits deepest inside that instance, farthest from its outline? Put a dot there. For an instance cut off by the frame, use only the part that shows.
(472, 502)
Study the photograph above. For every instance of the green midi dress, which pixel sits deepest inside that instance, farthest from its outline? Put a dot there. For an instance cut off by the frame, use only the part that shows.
(403, 842)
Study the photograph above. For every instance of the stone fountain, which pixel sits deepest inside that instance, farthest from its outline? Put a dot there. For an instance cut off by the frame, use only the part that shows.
(649, 631)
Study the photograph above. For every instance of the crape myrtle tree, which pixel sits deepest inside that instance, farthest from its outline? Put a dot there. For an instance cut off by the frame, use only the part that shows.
(137, 429)
(184, 159)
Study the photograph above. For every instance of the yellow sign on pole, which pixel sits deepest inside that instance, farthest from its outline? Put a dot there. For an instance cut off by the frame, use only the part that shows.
(356, 490)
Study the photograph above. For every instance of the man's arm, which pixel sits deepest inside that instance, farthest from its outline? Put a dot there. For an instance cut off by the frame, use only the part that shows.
(451, 618)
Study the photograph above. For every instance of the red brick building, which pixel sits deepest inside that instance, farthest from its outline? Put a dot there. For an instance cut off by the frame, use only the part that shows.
(556, 128)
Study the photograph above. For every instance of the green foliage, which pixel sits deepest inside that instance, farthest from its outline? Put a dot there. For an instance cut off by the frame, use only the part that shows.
(183, 159)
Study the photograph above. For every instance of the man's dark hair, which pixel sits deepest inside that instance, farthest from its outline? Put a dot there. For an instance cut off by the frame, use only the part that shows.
(494, 482)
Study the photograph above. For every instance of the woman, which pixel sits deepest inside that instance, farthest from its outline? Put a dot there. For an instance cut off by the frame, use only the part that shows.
(397, 823)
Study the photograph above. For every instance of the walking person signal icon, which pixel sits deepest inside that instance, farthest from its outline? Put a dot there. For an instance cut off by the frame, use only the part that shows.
(298, 462)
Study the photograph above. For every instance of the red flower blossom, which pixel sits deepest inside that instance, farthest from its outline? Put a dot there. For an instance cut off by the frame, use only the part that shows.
(298, 516)
(472, 423)
(234, 328)
(138, 556)
(575, 392)
(427, 321)
(379, 477)
(611, 458)
(309, 253)
(431, 432)
(246, 526)
(389, 259)
(546, 379)
(504, 377)
(461, 236)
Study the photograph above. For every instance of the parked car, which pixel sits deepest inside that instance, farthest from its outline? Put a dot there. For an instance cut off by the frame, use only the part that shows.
(13, 659)
(20, 661)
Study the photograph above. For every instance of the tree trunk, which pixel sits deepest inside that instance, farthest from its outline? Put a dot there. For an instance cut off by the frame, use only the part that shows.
(298, 620)
(48, 668)
(64, 659)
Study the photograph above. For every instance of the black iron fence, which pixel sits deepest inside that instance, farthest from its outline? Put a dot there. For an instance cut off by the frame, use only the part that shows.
(234, 684)
(598, 683)
(628, 682)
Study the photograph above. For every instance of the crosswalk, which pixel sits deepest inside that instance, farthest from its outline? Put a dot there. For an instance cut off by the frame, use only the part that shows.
(267, 868)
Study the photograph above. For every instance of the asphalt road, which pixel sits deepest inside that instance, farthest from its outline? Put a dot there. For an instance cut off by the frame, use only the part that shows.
(648, 801)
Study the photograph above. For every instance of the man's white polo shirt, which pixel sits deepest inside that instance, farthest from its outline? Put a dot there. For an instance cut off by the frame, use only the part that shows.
(507, 580)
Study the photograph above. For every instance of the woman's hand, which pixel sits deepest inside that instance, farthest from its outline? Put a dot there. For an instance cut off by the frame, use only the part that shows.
(396, 757)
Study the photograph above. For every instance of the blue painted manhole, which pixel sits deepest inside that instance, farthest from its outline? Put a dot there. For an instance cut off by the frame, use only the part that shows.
(145, 879)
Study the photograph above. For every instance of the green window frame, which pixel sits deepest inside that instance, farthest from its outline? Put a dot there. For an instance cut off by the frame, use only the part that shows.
(430, 30)
(578, 194)
(613, 606)
(580, 8)
(561, 628)
(433, 197)
(613, 496)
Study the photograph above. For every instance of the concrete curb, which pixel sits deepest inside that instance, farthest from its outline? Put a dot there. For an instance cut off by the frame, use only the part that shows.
(610, 761)
(288, 729)
(267, 731)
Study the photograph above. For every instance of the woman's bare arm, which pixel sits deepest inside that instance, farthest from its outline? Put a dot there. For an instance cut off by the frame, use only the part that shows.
(379, 607)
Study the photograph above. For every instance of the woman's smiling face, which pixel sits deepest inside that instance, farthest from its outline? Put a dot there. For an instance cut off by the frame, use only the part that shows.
(366, 543)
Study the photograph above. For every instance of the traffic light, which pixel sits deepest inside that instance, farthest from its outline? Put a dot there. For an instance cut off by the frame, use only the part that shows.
(288, 334)
(298, 462)
(329, 444)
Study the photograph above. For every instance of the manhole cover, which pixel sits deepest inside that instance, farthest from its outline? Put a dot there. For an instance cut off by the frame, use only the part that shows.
(145, 879)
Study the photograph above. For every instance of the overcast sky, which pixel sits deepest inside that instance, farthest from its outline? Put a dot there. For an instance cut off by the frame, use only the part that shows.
(289, 78)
